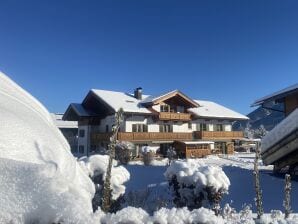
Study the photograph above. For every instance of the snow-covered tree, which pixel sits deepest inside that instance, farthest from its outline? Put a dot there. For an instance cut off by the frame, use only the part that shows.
(248, 132)
(260, 132)
(123, 152)
(258, 199)
(171, 154)
(287, 201)
(107, 192)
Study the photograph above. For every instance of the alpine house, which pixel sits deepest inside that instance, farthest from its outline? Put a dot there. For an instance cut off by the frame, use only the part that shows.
(194, 127)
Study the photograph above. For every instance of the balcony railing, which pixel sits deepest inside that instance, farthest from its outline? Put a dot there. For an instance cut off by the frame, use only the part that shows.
(174, 116)
(168, 136)
(143, 136)
(218, 134)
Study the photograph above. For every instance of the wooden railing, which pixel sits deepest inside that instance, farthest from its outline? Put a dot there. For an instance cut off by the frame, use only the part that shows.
(218, 134)
(174, 116)
(143, 136)
(165, 136)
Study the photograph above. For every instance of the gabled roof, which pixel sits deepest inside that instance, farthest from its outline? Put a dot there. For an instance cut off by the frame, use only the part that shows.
(168, 95)
(208, 109)
(276, 95)
(117, 100)
(74, 111)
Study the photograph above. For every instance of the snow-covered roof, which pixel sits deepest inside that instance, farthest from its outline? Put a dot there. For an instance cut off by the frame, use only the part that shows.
(118, 100)
(79, 109)
(276, 95)
(156, 99)
(57, 118)
(213, 110)
(151, 99)
(280, 131)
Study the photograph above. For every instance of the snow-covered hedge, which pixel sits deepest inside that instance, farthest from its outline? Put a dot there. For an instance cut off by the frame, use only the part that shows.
(40, 180)
(195, 183)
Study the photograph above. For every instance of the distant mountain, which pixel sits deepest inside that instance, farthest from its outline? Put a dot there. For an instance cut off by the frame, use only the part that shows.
(260, 116)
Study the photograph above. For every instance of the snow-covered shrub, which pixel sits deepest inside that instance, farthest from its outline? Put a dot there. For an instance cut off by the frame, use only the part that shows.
(128, 215)
(96, 166)
(183, 215)
(123, 152)
(195, 184)
(171, 154)
(148, 154)
(230, 215)
(40, 180)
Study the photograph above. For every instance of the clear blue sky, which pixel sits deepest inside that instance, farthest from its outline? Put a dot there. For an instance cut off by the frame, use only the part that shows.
(231, 52)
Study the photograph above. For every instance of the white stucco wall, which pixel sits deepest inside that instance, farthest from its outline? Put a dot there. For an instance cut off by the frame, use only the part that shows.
(83, 140)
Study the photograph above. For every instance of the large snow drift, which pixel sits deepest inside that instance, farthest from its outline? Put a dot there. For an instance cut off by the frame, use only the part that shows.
(40, 180)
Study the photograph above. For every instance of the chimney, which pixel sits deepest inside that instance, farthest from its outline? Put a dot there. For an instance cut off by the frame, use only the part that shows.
(138, 93)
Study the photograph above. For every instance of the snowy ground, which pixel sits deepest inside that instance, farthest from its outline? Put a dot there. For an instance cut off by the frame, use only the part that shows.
(237, 167)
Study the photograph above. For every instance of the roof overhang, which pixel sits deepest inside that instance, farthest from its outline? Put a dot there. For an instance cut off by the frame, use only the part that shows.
(169, 95)
(75, 112)
(276, 96)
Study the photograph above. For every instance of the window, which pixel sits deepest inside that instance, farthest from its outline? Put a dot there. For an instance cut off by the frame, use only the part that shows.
(164, 108)
(202, 127)
(81, 149)
(82, 133)
(107, 128)
(165, 128)
(219, 127)
(139, 128)
(189, 125)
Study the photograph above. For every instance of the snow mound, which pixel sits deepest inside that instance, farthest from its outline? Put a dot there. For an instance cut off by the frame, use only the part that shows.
(194, 172)
(40, 179)
(97, 165)
(183, 215)
(128, 215)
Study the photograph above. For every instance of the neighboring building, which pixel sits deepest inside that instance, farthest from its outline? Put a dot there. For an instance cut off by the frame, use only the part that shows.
(280, 145)
(69, 129)
(152, 121)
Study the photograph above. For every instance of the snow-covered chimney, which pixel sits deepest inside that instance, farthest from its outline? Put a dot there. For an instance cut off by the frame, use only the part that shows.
(138, 93)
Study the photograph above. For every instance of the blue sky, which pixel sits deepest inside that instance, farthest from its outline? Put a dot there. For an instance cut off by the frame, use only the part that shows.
(231, 52)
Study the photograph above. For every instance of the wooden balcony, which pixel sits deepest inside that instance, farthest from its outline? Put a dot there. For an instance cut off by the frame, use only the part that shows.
(218, 135)
(174, 116)
(143, 136)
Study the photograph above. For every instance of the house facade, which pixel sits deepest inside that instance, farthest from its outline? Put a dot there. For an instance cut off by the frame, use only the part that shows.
(69, 129)
(155, 121)
(280, 145)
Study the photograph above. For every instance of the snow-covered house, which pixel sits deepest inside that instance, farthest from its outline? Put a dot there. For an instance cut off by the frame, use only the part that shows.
(155, 121)
(69, 129)
(280, 145)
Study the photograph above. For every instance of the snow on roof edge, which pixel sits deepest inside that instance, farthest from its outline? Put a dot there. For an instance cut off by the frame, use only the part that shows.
(274, 94)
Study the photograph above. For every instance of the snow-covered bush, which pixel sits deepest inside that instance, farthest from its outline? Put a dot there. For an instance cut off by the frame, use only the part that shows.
(148, 154)
(123, 152)
(171, 154)
(195, 184)
(96, 166)
(183, 215)
(128, 215)
(41, 182)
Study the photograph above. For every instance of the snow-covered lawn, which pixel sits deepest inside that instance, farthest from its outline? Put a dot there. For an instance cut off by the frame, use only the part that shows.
(238, 168)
